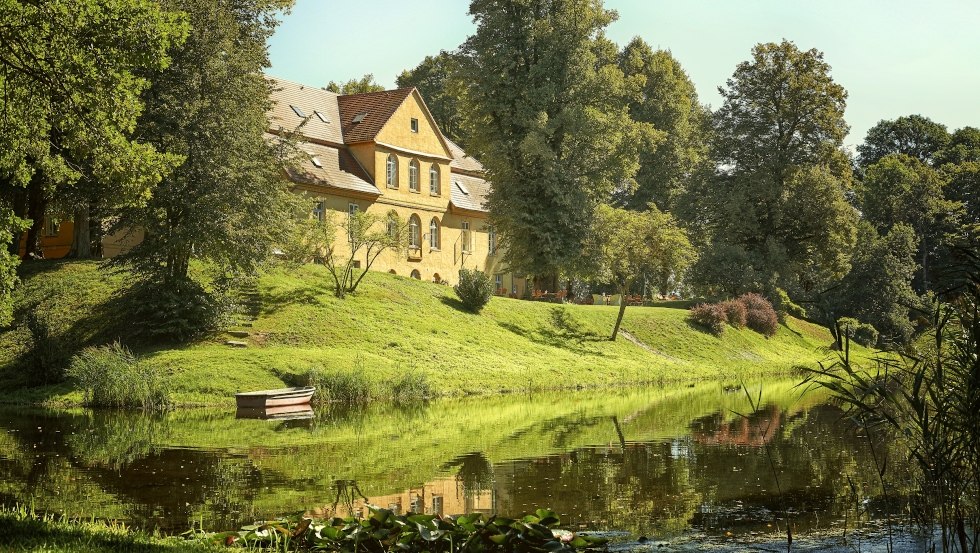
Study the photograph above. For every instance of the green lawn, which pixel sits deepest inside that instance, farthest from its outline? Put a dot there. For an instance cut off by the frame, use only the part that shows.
(395, 325)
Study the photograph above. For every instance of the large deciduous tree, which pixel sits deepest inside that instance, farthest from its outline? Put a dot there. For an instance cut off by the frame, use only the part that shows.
(669, 102)
(900, 189)
(227, 201)
(913, 135)
(69, 78)
(549, 117)
(776, 209)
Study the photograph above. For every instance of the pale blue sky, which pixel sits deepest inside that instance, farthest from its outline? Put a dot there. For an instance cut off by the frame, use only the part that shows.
(894, 57)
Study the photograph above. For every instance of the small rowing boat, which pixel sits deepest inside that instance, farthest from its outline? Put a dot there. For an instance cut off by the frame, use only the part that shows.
(275, 398)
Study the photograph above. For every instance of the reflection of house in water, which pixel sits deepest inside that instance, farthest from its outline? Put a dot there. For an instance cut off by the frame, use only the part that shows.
(754, 430)
(442, 496)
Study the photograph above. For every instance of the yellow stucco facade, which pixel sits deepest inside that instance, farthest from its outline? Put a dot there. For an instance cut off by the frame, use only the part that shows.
(410, 164)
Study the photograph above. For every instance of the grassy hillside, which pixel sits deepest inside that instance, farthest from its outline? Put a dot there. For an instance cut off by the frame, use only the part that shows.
(395, 325)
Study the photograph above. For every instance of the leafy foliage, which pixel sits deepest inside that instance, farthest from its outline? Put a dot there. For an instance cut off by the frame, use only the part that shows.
(669, 102)
(862, 333)
(475, 288)
(625, 247)
(776, 215)
(549, 118)
(227, 201)
(112, 377)
(385, 531)
(69, 78)
(914, 136)
(356, 86)
(367, 234)
(176, 311)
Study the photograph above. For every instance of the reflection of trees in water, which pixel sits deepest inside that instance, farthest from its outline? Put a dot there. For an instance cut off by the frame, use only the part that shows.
(475, 472)
(113, 439)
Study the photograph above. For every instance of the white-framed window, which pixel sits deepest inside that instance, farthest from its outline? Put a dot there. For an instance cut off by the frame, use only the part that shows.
(413, 175)
(414, 232)
(415, 125)
(434, 183)
(498, 281)
(465, 238)
(391, 176)
(319, 210)
(434, 233)
(492, 241)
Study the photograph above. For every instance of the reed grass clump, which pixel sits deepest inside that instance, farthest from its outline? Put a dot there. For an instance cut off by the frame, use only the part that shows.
(113, 377)
(350, 386)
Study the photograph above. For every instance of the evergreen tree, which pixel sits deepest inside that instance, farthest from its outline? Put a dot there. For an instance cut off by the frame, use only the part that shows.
(548, 115)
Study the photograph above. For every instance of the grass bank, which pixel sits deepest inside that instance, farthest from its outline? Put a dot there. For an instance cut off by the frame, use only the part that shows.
(396, 326)
(23, 530)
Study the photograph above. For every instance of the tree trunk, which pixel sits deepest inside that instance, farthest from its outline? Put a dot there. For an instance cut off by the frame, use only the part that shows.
(622, 309)
(36, 206)
(81, 242)
(18, 204)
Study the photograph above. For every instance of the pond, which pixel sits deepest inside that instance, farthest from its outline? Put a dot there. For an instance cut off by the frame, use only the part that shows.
(653, 462)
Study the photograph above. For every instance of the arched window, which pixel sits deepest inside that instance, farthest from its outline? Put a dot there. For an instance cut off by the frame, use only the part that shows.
(434, 188)
(413, 175)
(434, 233)
(414, 232)
(392, 174)
(416, 274)
(436, 278)
(392, 272)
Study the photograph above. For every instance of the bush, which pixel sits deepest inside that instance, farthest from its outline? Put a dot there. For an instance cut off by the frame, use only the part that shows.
(411, 387)
(760, 315)
(49, 353)
(111, 376)
(787, 307)
(178, 311)
(862, 333)
(710, 316)
(474, 289)
(735, 313)
(350, 387)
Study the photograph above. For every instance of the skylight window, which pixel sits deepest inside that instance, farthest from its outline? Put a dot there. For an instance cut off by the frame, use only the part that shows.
(462, 188)
(321, 116)
(316, 161)
(298, 112)
(360, 117)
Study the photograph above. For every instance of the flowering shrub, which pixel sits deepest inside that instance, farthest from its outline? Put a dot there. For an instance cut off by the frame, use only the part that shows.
(760, 315)
(735, 313)
(711, 316)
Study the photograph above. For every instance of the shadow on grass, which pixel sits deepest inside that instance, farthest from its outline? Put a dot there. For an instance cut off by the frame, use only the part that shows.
(455, 304)
(563, 333)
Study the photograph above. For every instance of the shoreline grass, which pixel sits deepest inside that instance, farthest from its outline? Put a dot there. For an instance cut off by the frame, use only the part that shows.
(392, 327)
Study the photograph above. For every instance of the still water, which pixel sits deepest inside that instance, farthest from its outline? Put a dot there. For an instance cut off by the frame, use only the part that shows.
(652, 462)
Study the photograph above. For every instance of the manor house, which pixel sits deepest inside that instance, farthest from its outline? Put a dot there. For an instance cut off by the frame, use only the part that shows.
(380, 152)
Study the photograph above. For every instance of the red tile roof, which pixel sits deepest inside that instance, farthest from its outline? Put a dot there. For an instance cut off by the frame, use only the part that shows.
(377, 108)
